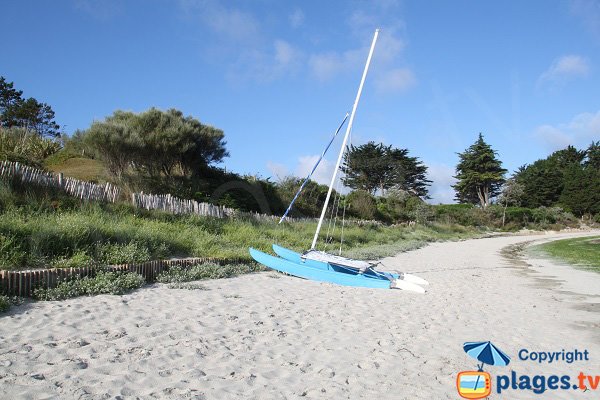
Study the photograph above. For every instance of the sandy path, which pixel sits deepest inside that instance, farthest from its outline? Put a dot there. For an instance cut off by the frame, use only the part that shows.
(269, 336)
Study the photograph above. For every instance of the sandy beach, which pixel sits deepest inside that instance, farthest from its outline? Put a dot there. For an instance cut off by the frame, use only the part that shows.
(270, 336)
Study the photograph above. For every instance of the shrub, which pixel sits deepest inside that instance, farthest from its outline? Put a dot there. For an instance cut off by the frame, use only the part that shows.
(4, 303)
(206, 271)
(103, 283)
(27, 147)
(79, 259)
(12, 255)
(362, 204)
(519, 215)
(131, 252)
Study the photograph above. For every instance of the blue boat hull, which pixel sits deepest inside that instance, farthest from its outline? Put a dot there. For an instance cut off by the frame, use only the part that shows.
(297, 258)
(318, 274)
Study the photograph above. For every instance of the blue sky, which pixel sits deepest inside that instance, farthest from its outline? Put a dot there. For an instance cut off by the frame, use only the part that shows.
(278, 76)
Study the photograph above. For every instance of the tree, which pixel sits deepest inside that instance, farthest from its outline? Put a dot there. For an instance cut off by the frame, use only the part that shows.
(15, 111)
(544, 180)
(581, 183)
(512, 192)
(593, 156)
(311, 200)
(366, 167)
(373, 166)
(157, 143)
(479, 173)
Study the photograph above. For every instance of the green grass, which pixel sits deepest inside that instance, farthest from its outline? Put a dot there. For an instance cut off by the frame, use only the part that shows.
(84, 169)
(109, 235)
(581, 252)
(61, 232)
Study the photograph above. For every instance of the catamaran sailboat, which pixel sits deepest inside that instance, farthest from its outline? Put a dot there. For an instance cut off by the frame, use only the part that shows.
(321, 266)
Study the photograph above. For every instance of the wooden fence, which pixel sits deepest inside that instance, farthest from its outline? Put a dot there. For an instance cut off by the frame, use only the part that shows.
(23, 283)
(74, 187)
(107, 192)
(176, 205)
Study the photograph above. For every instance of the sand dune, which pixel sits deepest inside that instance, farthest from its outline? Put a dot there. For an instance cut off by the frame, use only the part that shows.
(269, 336)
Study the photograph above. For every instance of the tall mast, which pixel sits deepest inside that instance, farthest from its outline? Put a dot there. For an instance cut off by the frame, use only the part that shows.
(348, 129)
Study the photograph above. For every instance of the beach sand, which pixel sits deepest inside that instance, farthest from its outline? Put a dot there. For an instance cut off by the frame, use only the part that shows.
(270, 336)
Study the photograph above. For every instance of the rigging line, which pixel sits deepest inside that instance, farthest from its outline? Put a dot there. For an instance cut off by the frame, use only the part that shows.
(333, 218)
(337, 206)
(314, 168)
(345, 201)
(348, 129)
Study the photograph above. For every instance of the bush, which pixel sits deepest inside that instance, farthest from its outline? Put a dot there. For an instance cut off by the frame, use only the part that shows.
(362, 204)
(206, 271)
(519, 215)
(27, 147)
(103, 283)
(132, 252)
(4, 303)
(12, 255)
(79, 259)
(454, 213)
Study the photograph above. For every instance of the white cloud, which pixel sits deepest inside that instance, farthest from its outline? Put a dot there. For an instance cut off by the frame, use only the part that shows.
(297, 18)
(589, 12)
(285, 53)
(323, 172)
(230, 23)
(552, 138)
(101, 10)
(325, 66)
(564, 69)
(442, 177)
(279, 171)
(387, 76)
(579, 132)
(395, 80)
(266, 66)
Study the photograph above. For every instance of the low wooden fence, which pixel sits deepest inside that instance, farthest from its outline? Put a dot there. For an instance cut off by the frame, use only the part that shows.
(23, 283)
(175, 205)
(74, 187)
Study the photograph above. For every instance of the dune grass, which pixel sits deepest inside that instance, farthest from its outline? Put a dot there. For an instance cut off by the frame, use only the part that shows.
(81, 168)
(580, 252)
(109, 234)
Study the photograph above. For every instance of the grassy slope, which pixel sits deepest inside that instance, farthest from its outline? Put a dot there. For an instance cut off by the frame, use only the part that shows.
(41, 229)
(34, 239)
(84, 169)
(583, 252)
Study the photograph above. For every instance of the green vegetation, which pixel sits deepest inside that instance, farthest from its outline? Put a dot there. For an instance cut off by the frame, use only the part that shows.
(479, 174)
(29, 114)
(56, 231)
(581, 252)
(4, 303)
(569, 178)
(373, 167)
(84, 169)
(26, 147)
(102, 283)
(178, 275)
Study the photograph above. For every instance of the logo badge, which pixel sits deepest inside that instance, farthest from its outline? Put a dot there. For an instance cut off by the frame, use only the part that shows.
(474, 384)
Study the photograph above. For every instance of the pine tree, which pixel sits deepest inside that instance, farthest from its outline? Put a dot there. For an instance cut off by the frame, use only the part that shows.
(479, 173)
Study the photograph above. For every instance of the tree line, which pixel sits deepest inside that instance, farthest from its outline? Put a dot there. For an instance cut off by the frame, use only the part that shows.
(167, 152)
(567, 178)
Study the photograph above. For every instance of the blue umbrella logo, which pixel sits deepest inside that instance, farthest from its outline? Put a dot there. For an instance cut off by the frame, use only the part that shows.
(487, 353)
